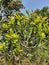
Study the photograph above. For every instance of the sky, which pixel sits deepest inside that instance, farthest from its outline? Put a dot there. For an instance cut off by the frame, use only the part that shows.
(34, 4)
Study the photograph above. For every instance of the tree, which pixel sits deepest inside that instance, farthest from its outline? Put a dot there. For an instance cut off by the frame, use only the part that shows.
(8, 6)
(43, 12)
(38, 11)
(25, 37)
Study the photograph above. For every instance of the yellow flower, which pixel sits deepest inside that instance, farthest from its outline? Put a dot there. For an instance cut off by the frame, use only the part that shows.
(4, 26)
(37, 20)
(18, 23)
(42, 35)
(11, 31)
(17, 16)
(14, 41)
(32, 23)
(8, 36)
(15, 35)
(1, 46)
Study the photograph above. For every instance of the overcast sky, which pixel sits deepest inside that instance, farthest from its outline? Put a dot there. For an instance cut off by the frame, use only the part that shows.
(34, 4)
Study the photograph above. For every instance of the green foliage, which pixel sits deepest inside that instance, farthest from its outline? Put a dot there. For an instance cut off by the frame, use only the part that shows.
(8, 7)
(26, 37)
(12, 4)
